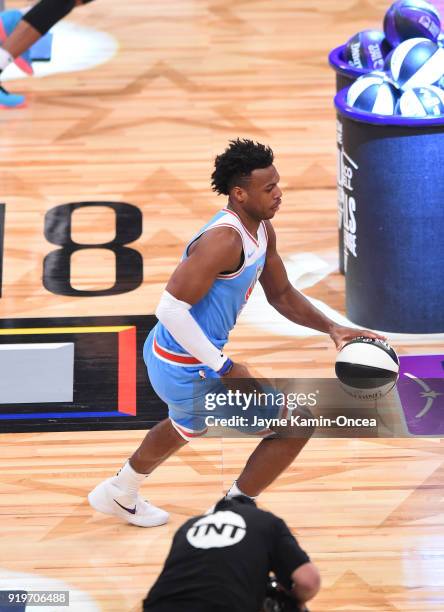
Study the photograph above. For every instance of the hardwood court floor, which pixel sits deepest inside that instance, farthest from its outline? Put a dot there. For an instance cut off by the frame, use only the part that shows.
(144, 128)
(368, 512)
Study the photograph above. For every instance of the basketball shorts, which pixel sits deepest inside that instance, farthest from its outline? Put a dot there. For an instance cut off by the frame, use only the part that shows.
(190, 393)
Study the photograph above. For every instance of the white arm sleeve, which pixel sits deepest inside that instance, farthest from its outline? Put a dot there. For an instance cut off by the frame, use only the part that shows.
(175, 316)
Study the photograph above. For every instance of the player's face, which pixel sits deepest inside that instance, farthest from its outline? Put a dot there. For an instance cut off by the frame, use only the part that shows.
(263, 193)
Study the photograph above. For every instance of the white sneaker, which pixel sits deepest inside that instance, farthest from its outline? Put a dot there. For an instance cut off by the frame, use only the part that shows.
(110, 499)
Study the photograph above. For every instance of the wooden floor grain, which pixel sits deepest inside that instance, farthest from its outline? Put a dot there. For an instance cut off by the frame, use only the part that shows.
(144, 128)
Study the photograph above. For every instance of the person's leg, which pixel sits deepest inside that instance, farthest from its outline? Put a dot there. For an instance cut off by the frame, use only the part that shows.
(164, 439)
(23, 37)
(36, 22)
(160, 442)
(275, 453)
(9, 20)
(270, 458)
(119, 495)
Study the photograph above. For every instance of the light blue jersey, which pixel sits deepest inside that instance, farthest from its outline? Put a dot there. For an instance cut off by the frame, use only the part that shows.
(217, 312)
(176, 376)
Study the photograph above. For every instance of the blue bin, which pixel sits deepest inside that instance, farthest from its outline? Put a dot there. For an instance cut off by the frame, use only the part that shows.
(345, 76)
(391, 176)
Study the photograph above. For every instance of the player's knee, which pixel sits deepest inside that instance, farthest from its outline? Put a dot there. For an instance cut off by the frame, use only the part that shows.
(306, 582)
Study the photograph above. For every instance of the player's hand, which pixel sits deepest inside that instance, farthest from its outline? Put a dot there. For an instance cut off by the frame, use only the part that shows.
(341, 335)
(239, 370)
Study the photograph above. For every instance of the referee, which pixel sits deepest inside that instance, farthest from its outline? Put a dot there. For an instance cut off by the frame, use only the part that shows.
(220, 562)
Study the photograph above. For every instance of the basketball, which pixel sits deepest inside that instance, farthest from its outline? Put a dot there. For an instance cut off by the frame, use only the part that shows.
(373, 93)
(417, 62)
(411, 19)
(421, 102)
(367, 50)
(367, 368)
(387, 60)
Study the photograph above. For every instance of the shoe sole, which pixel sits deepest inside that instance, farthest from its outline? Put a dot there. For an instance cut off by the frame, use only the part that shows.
(6, 107)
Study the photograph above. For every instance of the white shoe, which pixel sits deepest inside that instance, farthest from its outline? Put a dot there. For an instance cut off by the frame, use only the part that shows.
(108, 498)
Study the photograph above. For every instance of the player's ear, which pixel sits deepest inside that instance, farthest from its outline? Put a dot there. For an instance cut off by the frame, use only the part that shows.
(239, 194)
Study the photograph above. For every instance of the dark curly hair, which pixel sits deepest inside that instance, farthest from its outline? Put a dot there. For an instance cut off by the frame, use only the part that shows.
(235, 165)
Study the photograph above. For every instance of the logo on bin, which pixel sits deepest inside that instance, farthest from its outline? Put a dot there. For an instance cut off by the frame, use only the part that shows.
(347, 203)
(421, 391)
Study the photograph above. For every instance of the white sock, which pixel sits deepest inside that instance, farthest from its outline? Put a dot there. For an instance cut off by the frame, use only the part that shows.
(129, 480)
(234, 491)
(5, 59)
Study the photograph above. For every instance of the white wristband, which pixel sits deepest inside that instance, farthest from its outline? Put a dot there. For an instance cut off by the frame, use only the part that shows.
(175, 316)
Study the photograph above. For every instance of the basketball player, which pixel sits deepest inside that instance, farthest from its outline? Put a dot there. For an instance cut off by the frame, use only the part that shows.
(18, 34)
(199, 307)
(219, 562)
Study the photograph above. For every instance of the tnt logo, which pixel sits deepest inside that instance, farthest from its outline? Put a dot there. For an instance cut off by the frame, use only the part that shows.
(218, 530)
